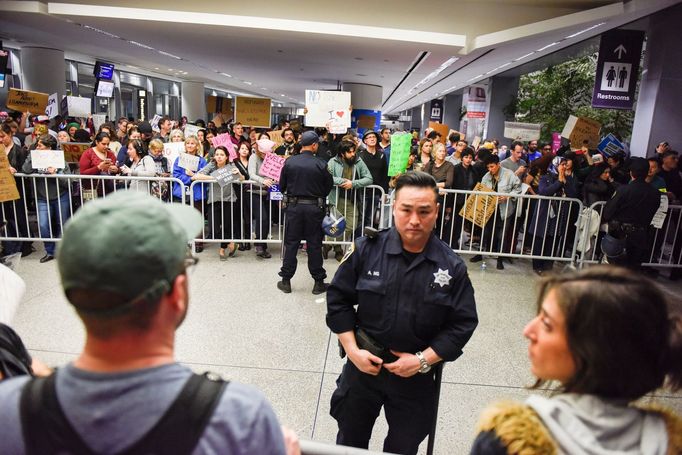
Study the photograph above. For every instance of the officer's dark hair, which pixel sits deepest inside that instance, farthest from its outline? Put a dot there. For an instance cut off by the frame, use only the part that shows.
(345, 147)
(416, 179)
(632, 354)
(517, 143)
(491, 159)
(454, 138)
(468, 151)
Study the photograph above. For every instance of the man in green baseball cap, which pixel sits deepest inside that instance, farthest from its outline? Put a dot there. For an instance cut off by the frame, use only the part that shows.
(123, 262)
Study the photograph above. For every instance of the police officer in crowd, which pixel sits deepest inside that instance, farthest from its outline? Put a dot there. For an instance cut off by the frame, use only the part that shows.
(415, 308)
(629, 214)
(305, 182)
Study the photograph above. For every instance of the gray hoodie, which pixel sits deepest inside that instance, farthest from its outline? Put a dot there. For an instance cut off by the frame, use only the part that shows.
(587, 424)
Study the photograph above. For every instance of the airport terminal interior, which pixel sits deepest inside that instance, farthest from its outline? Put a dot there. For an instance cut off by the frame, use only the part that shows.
(406, 65)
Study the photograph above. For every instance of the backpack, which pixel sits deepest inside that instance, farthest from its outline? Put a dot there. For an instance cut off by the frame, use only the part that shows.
(14, 358)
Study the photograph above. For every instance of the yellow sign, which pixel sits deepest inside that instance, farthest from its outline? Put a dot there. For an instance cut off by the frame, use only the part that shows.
(441, 128)
(276, 137)
(219, 105)
(8, 186)
(74, 150)
(479, 207)
(27, 101)
(253, 111)
(579, 129)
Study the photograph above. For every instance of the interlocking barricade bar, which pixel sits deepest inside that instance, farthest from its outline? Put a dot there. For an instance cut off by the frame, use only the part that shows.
(49, 200)
(666, 242)
(361, 207)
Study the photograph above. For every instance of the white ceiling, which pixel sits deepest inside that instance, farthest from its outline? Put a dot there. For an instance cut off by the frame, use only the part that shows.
(293, 46)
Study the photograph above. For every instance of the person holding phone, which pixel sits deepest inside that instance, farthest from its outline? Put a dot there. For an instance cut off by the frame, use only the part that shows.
(98, 160)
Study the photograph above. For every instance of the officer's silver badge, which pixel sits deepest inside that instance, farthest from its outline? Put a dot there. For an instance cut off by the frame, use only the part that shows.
(442, 277)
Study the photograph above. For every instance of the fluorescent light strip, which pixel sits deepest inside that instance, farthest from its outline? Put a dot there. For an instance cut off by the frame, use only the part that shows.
(168, 54)
(524, 56)
(585, 31)
(548, 46)
(261, 23)
(102, 32)
(144, 46)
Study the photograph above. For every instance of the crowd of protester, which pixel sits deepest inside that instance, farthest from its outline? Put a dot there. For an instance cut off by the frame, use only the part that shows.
(359, 165)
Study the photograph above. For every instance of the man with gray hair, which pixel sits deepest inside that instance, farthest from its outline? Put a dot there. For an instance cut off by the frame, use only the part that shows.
(125, 393)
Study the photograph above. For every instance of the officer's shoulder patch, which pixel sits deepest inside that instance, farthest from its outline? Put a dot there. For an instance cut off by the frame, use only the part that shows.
(348, 252)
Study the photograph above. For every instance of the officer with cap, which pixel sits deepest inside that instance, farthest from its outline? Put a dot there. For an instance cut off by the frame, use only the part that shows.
(305, 182)
(125, 393)
(415, 308)
(630, 211)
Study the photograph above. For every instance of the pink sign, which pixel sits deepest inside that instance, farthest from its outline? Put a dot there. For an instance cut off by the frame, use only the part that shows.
(556, 142)
(272, 166)
(225, 141)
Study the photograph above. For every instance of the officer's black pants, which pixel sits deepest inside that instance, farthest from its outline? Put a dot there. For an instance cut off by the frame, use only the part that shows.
(409, 405)
(303, 222)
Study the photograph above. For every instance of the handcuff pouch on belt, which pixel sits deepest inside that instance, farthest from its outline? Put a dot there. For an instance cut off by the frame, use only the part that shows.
(364, 341)
(293, 200)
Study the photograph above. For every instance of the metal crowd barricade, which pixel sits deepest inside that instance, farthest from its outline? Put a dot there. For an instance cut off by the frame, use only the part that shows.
(589, 244)
(361, 207)
(535, 227)
(666, 244)
(321, 448)
(49, 200)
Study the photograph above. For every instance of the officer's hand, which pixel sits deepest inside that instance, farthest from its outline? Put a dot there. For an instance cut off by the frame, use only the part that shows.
(407, 364)
(366, 362)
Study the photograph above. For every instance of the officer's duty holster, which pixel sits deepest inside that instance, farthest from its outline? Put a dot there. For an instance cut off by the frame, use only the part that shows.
(290, 201)
(364, 341)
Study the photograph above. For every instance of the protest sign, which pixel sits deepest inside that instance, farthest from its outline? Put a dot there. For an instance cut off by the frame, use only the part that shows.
(659, 216)
(441, 128)
(225, 141)
(296, 125)
(476, 142)
(8, 186)
(52, 109)
(155, 122)
(191, 130)
(42, 159)
(172, 150)
(327, 108)
(98, 120)
(77, 106)
(610, 145)
(253, 111)
(219, 104)
(401, 143)
(556, 142)
(226, 175)
(74, 150)
(579, 129)
(218, 120)
(522, 131)
(272, 166)
(27, 101)
(479, 208)
(189, 162)
(276, 137)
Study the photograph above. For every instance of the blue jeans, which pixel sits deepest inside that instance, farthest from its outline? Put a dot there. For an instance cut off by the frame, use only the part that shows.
(52, 215)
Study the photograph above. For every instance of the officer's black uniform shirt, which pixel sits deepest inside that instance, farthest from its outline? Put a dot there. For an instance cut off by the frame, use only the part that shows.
(635, 203)
(304, 175)
(405, 302)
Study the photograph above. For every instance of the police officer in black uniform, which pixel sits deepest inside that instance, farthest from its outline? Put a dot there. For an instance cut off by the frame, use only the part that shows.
(415, 308)
(305, 182)
(630, 211)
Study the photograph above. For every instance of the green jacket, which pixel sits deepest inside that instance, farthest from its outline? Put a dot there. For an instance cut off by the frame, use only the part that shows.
(361, 176)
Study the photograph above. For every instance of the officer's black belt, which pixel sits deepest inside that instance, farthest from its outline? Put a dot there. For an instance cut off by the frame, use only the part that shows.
(366, 342)
(305, 200)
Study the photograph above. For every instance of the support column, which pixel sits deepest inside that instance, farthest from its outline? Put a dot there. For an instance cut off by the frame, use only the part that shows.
(193, 100)
(658, 114)
(43, 70)
(452, 107)
(366, 100)
(502, 92)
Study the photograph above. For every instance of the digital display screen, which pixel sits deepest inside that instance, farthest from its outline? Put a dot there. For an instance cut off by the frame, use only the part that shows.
(104, 71)
(105, 89)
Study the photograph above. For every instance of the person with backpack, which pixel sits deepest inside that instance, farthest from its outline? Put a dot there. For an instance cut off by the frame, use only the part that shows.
(125, 393)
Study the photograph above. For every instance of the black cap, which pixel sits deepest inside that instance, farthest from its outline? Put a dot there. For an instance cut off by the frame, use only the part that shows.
(639, 165)
(144, 128)
(369, 133)
(309, 138)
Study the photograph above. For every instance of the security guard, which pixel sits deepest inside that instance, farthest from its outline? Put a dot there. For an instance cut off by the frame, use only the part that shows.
(306, 182)
(415, 308)
(630, 211)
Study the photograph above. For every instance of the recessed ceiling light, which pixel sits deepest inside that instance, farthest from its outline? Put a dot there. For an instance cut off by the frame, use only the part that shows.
(226, 75)
(170, 69)
(283, 95)
(263, 88)
(248, 83)
(156, 68)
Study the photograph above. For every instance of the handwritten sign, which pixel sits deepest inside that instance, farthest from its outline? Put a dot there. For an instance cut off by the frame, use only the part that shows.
(479, 207)
(189, 162)
(400, 153)
(225, 141)
(253, 111)
(155, 123)
(74, 150)
(172, 150)
(8, 186)
(476, 142)
(98, 120)
(441, 128)
(77, 106)
(272, 166)
(191, 130)
(52, 109)
(276, 137)
(659, 217)
(579, 129)
(42, 159)
(219, 104)
(522, 131)
(327, 108)
(27, 101)
(226, 175)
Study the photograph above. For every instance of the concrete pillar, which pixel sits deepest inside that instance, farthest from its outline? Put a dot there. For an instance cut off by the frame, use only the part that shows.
(193, 100)
(43, 70)
(658, 113)
(452, 107)
(501, 93)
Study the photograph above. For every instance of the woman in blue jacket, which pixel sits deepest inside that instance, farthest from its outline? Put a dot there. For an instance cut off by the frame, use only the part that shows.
(192, 147)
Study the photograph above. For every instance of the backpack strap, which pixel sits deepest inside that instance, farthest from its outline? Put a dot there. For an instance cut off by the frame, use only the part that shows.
(46, 429)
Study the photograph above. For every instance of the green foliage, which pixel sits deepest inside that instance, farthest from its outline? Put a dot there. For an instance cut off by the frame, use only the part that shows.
(549, 96)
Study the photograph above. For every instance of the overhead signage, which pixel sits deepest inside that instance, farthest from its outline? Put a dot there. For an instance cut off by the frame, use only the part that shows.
(476, 104)
(328, 109)
(253, 111)
(436, 111)
(617, 69)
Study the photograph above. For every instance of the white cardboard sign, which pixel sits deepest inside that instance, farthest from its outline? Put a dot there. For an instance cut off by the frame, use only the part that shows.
(52, 109)
(522, 131)
(189, 162)
(191, 130)
(78, 106)
(42, 159)
(328, 109)
(172, 151)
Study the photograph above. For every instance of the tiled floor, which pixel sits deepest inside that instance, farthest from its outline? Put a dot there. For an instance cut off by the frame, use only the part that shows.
(241, 326)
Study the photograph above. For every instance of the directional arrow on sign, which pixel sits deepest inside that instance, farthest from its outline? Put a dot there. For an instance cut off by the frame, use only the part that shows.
(621, 50)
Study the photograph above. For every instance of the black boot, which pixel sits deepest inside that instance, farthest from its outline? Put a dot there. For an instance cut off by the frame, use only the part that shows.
(284, 286)
(320, 287)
